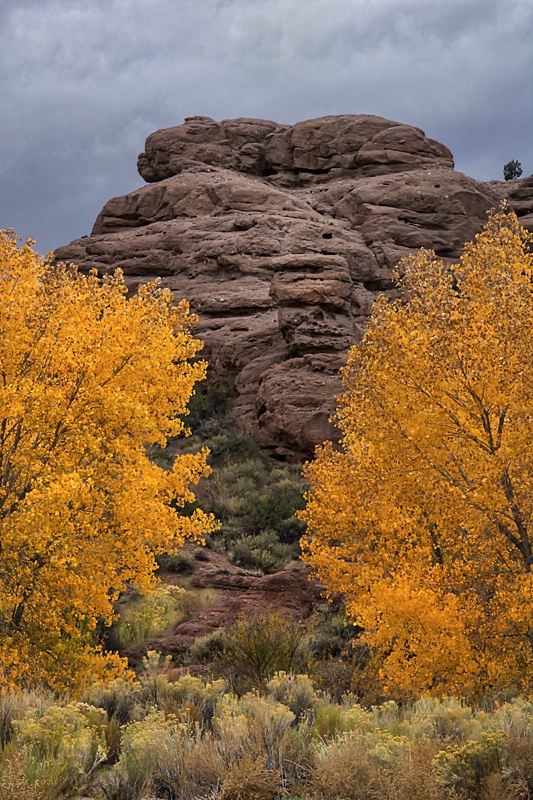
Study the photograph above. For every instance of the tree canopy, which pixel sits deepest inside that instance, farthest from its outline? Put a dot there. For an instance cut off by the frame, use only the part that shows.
(88, 380)
(424, 518)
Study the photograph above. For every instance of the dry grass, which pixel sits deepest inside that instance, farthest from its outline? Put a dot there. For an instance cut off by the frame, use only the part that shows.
(414, 776)
(249, 779)
(13, 783)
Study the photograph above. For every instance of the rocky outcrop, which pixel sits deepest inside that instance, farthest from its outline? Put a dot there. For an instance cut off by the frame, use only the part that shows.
(330, 146)
(281, 237)
(289, 592)
(519, 195)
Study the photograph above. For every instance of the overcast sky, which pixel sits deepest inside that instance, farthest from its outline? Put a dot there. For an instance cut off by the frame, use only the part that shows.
(83, 82)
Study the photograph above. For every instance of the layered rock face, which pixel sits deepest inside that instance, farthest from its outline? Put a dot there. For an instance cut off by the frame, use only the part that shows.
(281, 237)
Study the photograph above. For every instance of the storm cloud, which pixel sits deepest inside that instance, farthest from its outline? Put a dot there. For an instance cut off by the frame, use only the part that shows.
(85, 81)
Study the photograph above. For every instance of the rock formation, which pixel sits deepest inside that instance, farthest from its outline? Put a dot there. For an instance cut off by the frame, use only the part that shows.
(281, 237)
(289, 592)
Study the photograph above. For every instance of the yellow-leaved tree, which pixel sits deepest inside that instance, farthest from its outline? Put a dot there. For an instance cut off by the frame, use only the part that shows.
(424, 519)
(88, 379)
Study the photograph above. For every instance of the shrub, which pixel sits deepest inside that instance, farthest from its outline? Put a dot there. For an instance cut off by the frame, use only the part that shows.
(62, 747)
(162, 456)
(197, 696)
(263, 725)
(248, 778)
(274, 509)
(146, 615)
(333, 634)
(210, 401)
(356, 765)
(15, 705)
(263, 552)
(141, 744)
(469, 764)
(258, 647)
(189, 768)
(230, 445)
(208, 647)
(444, 719)
(329, 720)
(119, 698)
(515, 718)
(333, 676)
(232, 485)
(294, 691)
(414, 778)
(180, 563)
(14, 785)
(251, 497)
(191, 739)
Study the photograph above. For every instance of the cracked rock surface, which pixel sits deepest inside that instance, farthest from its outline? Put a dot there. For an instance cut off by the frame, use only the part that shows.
(281, 237)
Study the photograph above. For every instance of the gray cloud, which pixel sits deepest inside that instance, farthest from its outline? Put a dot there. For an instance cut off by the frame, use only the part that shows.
(83, 83)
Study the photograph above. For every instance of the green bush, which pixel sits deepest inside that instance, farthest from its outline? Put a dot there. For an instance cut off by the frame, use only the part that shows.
(230, 445)
(119, 698)
(226, 535)
(333, 634)
(142, 742)
(294, 691)
(210, 401)
(179, 563)
(447, 718)
(333, 676)
(274, 508)
(15, 705)
(252, 499)
(512, 170)
(162, 456)
(190, 738)
(254, 723)
(264, 552)
(14, 785)
(207, 648)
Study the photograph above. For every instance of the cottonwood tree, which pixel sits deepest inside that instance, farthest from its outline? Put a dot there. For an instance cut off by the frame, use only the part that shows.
(424, 519)
(88, 380)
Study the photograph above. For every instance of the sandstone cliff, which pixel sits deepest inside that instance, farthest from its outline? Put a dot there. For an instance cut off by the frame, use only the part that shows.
(281, 237)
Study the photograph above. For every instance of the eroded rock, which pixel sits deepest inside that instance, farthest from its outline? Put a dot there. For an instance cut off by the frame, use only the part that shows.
(281, 237)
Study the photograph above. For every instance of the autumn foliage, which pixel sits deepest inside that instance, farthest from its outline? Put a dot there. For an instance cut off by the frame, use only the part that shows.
(424, 519)
(88, 379)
